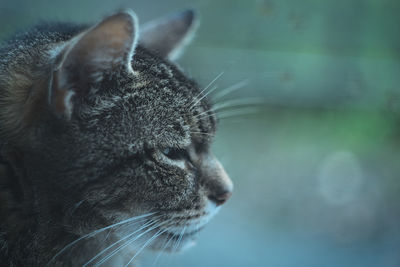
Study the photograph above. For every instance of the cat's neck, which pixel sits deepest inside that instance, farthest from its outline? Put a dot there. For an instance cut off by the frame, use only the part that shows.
(21, 227)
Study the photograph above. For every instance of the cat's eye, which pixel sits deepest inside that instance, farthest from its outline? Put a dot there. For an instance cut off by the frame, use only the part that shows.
(175, 153)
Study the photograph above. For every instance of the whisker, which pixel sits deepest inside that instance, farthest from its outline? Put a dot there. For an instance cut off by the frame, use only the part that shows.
(198, 100)
(240, 112)
(128, 243)
(201, 92)
(97, 232)
(240, 102)
(171, 249)
(119, 241)
(159, 232)
(166, 243)
(108, 235)
(179, 239)
(208, 115)
(77, 205)
(229, 104)
(181, 236)
(205, 112)
(229, 90)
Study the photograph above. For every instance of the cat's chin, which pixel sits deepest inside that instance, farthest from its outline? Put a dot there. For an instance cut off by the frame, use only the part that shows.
(183, 236)
(174, 243)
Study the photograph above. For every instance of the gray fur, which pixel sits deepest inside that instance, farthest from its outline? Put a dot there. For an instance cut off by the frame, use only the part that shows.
(65, 176)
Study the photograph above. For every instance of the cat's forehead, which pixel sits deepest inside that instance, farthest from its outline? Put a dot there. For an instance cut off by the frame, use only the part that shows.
(155, 105)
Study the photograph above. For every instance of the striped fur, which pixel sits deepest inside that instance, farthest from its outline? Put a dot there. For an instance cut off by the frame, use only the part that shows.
(87, 142)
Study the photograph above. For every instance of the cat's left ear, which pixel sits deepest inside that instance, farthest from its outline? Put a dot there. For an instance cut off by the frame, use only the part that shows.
(88, 57)
(169, 35)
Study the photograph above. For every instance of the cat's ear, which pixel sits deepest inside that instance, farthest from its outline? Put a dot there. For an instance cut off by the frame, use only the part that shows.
(88, 57)
(169, 35)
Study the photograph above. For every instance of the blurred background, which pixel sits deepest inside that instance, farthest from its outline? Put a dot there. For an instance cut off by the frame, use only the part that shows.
(310, 136)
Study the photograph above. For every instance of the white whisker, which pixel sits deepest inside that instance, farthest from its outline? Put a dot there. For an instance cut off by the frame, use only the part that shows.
(203, 113)
(179, 239)
(151, 222)
(108, 235)
(128, 243)
(240, 112)
(240, 102)
(166, 243)
(208, 115)
(229, 90)
(97, 232)
(229, 104)
(196, 100)
(159, 232)
(235, 112)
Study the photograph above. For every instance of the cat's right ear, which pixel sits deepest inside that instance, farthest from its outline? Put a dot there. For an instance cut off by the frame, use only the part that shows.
(88, 57)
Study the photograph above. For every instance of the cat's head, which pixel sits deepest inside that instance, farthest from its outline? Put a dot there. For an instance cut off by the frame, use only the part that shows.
(122, 132)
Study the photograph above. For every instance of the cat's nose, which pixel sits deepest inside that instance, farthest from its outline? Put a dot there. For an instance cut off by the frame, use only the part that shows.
(217, 182)
(220, 198)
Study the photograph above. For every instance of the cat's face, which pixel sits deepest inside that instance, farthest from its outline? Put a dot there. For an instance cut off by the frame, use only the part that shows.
(129, 135)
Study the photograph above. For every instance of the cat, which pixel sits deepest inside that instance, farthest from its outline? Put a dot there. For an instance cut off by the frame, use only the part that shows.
(105, 143)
